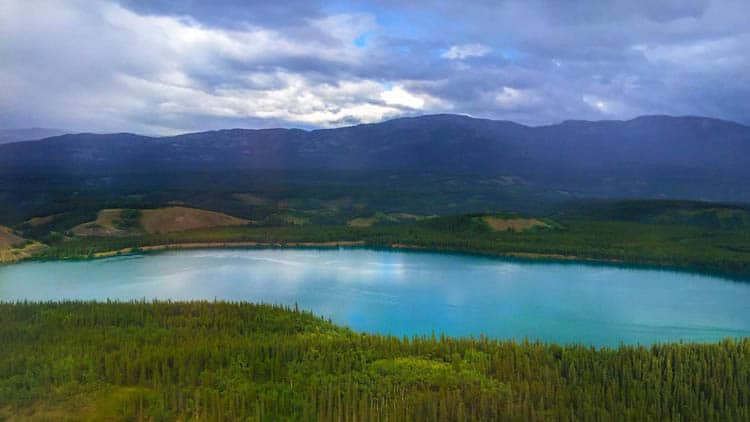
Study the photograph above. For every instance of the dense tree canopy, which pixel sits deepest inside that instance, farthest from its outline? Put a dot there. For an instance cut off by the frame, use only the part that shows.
(232, 361)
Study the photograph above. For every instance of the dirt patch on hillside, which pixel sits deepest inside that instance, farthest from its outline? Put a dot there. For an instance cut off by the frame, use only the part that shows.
(103, 226)
(176, 219)
(8, 239)
(513, 224)
(41, 221)
(109, 222)
(362, 222)
(15, 248)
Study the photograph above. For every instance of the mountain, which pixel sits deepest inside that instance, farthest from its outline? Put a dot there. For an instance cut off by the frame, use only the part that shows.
(650, 156)
(30, 134)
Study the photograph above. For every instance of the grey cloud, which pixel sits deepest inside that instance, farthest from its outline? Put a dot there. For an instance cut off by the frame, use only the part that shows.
(234, 14)
(201, 65)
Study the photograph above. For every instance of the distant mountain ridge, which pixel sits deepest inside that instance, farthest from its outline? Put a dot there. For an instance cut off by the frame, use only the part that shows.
(28, 134)
(601, 158)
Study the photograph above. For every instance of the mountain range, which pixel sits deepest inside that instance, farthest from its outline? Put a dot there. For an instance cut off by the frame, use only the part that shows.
(28, 134)
(649, 156)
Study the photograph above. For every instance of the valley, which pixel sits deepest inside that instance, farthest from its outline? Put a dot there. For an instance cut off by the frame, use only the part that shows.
(441, 211)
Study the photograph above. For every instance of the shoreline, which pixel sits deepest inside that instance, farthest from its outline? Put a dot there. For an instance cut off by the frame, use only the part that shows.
(13, 255)
(228, 245)
(529, 257)
(525, 256)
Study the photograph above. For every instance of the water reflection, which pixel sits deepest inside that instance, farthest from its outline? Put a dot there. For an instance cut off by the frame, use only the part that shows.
(406, 293)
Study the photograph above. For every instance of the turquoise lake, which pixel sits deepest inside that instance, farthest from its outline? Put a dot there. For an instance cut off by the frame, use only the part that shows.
(407, 293)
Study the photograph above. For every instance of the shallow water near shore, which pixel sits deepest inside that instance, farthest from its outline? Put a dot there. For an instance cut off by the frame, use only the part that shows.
(408, 293)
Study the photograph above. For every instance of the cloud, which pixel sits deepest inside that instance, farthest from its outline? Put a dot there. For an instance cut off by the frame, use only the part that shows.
(166, 67)
(511, 98)
(400, 97)
(460, 52)
(156, 65)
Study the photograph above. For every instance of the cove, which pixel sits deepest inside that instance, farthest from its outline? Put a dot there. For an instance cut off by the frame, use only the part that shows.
(415, 293)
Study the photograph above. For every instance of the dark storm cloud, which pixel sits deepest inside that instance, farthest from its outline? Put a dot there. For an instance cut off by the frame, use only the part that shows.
(170, 66)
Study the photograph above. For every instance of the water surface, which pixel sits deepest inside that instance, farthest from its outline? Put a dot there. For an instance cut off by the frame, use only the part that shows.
(407, 293)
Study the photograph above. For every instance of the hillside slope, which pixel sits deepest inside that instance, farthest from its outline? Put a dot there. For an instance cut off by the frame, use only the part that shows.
(651, 156)
(14, 247)
(119, 222)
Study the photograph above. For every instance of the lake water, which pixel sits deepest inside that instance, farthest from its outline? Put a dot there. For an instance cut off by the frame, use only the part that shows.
(407, 293)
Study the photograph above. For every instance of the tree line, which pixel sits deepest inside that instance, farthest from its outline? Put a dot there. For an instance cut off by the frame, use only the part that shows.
(715, 250)
(240, 361)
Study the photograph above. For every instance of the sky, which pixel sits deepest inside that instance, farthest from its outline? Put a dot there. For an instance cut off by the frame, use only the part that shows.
(169, 66)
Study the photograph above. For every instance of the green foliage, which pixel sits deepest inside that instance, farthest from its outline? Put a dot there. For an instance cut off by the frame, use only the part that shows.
(716, 250)
(687, 213)
(239, 361)
(52, 232)
(324, 197)
(457, 224)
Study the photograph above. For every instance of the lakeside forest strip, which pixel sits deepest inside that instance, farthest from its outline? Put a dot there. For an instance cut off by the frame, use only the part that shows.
(239, 361)
(720, 251)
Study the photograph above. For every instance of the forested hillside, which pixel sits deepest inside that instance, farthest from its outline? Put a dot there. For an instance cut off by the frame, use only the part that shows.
(715, 249)
(646, 157)
(237, 361)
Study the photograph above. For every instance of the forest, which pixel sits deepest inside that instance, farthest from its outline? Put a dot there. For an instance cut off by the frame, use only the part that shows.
(240, 361)
(713, 248)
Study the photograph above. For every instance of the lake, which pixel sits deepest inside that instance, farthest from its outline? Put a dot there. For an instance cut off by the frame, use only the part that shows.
(407, 293)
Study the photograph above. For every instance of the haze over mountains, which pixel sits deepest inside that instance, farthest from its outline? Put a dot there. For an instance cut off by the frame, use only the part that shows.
(650, 156)
(28, 134)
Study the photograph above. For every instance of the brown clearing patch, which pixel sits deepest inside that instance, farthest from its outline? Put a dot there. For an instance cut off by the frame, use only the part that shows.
(161, 220)
(40, 221)
(15, 248)
(18, 254)
(362, 222)
(8, 239)
(514, 224)
(177, 219)
(103, 226)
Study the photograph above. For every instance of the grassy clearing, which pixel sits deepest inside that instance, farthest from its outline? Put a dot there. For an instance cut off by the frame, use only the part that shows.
(28, 250)
(177, 219)
(41, 221)
(126, 222)
(8, 239)
(383, 218)
(15, 248)
(362, 222)
(104, 225)
(512, 224)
